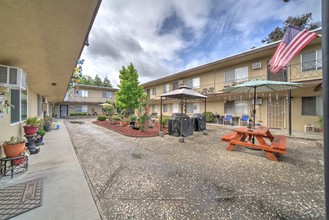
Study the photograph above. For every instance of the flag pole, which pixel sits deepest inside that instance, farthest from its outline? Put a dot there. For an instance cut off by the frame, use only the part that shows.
(325, 91)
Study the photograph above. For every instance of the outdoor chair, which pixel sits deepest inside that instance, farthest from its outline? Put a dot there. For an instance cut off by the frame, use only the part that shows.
(227, 118)
(244, 118)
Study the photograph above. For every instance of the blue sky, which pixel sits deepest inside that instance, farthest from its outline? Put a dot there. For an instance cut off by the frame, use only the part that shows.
(164, 37)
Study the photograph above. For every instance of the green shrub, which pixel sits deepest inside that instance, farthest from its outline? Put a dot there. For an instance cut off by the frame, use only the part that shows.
(101, 118)
(132, 117)
(78, 114)
(209, 117)
(165, 120)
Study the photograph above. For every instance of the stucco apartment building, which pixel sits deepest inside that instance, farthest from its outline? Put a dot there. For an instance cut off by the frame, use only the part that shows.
(272, 108)
(41, 42)
(86, 99)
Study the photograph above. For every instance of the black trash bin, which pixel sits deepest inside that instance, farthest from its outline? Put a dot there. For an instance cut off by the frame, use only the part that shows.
(199, 122)
(175, 126)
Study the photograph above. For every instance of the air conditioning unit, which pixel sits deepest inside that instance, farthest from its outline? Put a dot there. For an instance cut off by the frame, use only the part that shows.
(180, 82)
(258, 101)
(257, 65)
(44, 100)
(12, 77)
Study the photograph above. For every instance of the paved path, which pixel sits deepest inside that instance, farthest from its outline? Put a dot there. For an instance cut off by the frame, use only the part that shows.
(160, 178)
(66, 194)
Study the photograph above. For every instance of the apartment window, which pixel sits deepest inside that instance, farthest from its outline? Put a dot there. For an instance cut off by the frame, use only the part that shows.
(81, 108)
(311, 60)
(154, 108)
(193, 83)
(82, 93)
(154, 91)
(107, 95)
(236, 107)
(238, 74)
(312, 105)
(189, 108)
(18, 98)
(165, 88)
(166, 108)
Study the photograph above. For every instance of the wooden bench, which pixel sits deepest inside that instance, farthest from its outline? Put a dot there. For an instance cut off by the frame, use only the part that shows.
(279, 142)
(229, 137)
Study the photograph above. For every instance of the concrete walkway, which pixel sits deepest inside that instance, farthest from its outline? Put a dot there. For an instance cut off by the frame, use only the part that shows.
(66, 194)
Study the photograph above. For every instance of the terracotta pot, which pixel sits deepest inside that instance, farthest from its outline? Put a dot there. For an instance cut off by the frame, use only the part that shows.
(125, 124)
(30, 130)
(13, 150)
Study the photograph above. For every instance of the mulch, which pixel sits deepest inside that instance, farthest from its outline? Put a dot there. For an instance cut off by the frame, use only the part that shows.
(130, 132)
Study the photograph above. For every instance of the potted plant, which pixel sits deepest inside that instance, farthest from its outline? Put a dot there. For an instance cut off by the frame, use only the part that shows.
(125, 122)
(132, 119)
(40, 134)
(14, 147)
(47, 123)
(31, 125)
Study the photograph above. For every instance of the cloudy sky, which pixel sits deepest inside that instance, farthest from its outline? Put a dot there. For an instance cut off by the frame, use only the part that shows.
(164, 37)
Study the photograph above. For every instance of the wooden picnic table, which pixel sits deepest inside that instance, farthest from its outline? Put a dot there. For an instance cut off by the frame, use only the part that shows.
(259, 138)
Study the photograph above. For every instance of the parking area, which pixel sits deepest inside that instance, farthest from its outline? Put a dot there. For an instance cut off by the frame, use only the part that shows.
(161, 178)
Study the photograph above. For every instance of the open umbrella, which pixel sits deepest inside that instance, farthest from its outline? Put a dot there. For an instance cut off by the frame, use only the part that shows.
(256, 85)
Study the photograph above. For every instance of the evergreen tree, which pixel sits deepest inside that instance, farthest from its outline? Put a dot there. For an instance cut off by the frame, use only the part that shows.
(98, 81)
(304, 22)
(129, 89)
(107, 83)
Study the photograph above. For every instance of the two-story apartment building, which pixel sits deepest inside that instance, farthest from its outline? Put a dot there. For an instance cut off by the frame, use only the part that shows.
(86, 99)
(272, 107)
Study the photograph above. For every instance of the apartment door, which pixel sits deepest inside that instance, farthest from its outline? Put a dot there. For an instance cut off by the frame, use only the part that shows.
(276, 113)
(64, 110)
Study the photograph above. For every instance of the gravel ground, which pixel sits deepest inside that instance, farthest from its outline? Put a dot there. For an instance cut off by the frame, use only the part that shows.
(161, 178)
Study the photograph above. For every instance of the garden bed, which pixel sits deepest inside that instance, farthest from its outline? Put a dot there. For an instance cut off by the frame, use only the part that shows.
(129, 131)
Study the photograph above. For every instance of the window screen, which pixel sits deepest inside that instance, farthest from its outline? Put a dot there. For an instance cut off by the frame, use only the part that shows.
(15, 101)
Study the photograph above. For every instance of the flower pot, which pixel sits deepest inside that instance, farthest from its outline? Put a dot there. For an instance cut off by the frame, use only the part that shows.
(30, 130)
(39, 140)
(13, 150)
(125, 124)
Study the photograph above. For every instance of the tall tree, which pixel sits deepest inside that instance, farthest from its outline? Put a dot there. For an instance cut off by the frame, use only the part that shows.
(304, 22)
(107, 83)
(98, 81)
(129, 89)
(86, 80)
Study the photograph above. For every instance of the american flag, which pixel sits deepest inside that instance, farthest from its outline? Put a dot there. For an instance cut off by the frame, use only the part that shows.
(293, 41)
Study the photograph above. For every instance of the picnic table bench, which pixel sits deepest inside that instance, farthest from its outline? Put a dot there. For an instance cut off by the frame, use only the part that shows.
(275, 145)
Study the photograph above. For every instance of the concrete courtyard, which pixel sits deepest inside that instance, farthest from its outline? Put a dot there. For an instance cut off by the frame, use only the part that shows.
(160, 178)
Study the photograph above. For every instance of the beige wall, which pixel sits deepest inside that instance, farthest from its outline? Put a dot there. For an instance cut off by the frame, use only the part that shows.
(93, 96)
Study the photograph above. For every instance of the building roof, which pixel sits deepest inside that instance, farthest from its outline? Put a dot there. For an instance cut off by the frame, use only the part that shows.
(96, 87)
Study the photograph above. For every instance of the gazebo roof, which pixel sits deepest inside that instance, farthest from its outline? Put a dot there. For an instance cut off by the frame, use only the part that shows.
(183, 91)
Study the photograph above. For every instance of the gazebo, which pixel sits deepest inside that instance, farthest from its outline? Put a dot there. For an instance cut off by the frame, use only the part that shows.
(183, 93)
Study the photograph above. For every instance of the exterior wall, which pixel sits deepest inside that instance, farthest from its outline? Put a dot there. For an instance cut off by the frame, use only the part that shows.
(93, 96)
(32, 109)
(216, 78)
(91, 108)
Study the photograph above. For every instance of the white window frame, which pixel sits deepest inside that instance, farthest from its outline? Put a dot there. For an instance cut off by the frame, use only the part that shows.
(154, 91)
(196, 83)
(166, 88)
(154, 109)
(106, 94)
(20, 105)
(317, 61)
(240, 74)
(165, 108)
(84, 108)
(318, 106)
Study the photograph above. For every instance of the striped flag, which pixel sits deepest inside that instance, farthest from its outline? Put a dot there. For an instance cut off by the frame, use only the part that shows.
(293, 41)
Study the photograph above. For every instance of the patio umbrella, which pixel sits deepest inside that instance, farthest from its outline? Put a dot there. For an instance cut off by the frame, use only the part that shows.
(261, 86)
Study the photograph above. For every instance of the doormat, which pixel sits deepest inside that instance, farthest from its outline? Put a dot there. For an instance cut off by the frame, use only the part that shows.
(20, 198)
